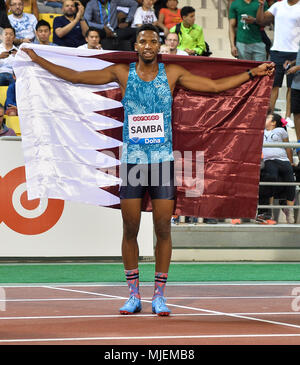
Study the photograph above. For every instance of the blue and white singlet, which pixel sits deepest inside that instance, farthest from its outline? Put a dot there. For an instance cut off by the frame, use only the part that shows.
(147, 129)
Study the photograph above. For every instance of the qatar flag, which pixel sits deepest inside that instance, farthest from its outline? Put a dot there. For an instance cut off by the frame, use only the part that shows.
(72, 134)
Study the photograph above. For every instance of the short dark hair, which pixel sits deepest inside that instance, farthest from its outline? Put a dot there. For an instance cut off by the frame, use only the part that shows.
(42, 23)
(92, 29)
(186, 10)
(13, 29)
(147, 27)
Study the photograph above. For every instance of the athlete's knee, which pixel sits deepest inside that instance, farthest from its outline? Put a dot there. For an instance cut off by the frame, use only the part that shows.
(130, 230)
(162, 228)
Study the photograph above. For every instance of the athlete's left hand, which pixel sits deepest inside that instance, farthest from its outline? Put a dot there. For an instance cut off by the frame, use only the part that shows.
(265, 69)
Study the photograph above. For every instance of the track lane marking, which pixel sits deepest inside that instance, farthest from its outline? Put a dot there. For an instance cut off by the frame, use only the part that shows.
(192, 308)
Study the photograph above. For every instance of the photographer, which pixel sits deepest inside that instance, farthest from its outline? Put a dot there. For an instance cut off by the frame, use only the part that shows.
(69, 29)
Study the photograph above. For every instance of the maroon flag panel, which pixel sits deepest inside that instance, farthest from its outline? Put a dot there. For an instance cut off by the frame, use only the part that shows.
(217, 138)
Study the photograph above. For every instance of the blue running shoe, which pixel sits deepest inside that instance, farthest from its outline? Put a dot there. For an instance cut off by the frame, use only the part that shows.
(133, 305)
(159, 306)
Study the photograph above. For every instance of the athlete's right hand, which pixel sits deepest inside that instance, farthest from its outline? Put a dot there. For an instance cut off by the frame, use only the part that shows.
(30, 52)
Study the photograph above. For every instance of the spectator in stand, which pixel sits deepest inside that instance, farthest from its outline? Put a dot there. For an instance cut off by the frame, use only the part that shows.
(191, 38)
(30, 7)
(7, 55)
(92, 39)
(164, 49)
(4, 130)
(169, 16)
(245, 35)
(278, 164)
(43, 32)
(102, 14)
(144, 15)
(23, 23)
(69, 30)
(285, 15)
(172, 41)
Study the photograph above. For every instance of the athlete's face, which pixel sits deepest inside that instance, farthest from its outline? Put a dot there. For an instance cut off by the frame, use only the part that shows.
(147, 45)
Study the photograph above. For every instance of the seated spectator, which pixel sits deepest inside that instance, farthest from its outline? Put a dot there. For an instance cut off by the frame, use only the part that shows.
(69, 30)
(92, 39)
(278, 164)
(23, 23)
(4, 130)
(169, 16)
(101, 14)
(191, 38)
(144, 15)
(172, 41)
(7, 55)
(30, 7)
(164, 49)
(43, 32)
(10, 105)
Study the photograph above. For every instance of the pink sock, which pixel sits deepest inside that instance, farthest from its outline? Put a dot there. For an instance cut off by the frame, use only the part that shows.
(160, 284)
(132, 277)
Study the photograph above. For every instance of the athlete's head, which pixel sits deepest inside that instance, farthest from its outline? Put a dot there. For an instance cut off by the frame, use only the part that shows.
(147, 42)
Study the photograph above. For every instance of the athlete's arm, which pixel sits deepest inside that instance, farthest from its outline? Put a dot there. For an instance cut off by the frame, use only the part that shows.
(199, 83)
(93, 77)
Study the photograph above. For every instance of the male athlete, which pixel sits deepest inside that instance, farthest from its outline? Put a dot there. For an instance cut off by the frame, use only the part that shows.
(147, 88)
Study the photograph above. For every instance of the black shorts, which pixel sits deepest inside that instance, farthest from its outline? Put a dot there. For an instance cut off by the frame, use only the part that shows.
(157, 179)
(279, 58)
(295, 101)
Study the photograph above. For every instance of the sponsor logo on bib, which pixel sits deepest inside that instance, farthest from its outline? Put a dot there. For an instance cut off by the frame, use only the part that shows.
(146, 128)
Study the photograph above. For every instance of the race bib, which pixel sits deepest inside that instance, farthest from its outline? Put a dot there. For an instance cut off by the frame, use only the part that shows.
(146, 128)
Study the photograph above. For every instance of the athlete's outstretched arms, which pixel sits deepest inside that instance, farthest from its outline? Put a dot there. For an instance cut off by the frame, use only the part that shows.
(198, 83)
(93, 77)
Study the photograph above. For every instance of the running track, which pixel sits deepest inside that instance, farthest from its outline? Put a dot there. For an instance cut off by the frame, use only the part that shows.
(202, 314)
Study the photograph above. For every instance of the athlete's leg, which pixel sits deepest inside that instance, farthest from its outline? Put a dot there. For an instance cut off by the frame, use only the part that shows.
(131, 214)
(162, 214)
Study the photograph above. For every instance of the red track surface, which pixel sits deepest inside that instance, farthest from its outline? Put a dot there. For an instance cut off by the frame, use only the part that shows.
(202, 314)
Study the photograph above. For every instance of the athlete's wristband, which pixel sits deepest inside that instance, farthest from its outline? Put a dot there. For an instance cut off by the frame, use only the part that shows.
(250, 75)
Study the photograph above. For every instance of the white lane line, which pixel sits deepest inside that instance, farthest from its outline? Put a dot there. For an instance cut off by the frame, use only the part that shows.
(143, 284)
(140, 315)
(193, 308)
(146, 298)
(118, 338)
